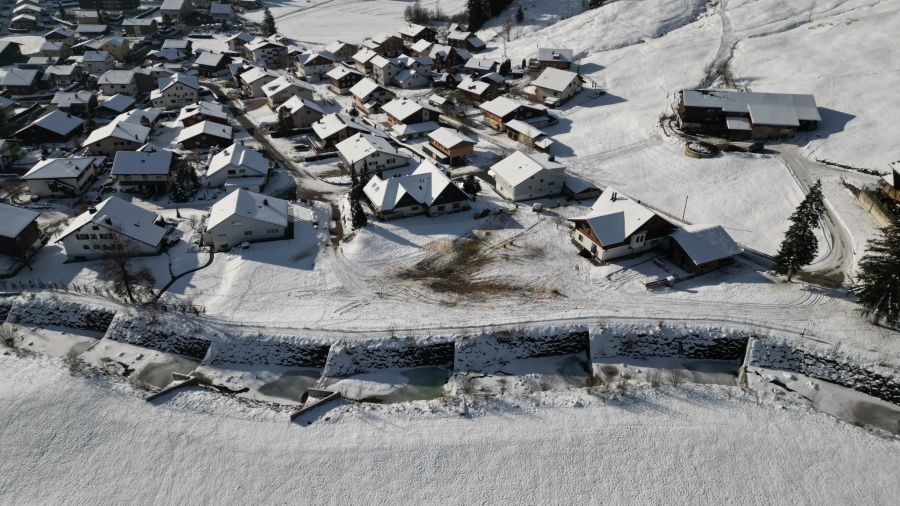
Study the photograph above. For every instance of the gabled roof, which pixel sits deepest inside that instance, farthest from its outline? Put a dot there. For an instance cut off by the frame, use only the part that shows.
(297, 103)
(244, 36)
(172, 5)
(58, 122)
(124, 217)
(14, 76)
(142, 162)
(471, 85)
(360, 146)
(519, 166)
(364, 88)
(118, 103)
(118, 129)
(204, 127)
(284, 83)
(764, 108)
(116, 77)
(450, 138)
(552, 54)
(421, 45)
(413, 30)
(64, 99)
(525, 129)
(204, 108)
(304, 58)
(260, 43)
(238, 155)
(179, 78)
(424, 185)
(614, 217)
(257, 73)
(339, 72)
(706, 243)
(364, 55)
(13, 220)
(60, 70)
(555, 79)
(63, 31)
(209, 59)
(176, 44)
(249, 205)
(61, 168)
(215, 8)
(140, 116)
(382, 62)
(138, 22)
(501, 106)
(95, 56)
(91, 28)
(402, 108)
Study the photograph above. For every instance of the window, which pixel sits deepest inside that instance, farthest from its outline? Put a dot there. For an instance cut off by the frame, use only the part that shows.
(87, 246)
(639, 238)
(106, 236)
(82, 237)
(248, 232)
(95, 227)
(441, 208)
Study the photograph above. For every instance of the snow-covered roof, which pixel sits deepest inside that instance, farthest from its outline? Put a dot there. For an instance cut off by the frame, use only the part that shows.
(413, 30)
(172, 5)
(524, 128)
(204, 108)
(125, 130)
(706, 243)
(58, 122)
(95, 56)
(473, 86)
(61, 30)
(51, 45)
(306, 57)
(402, 129)
(339, 72)
(60, 70)
(116, 77)
(176, 44)
(614, 217)
(147, 115)
(364, 88)
(126, 218)
(204, 127)
(260, 43)
(61, 168)
(520, 166)
(249, 205)
(764, 108)
(382, 62)
(118, 102)
(551, 54)
(421, 45)
(91, 28)
(501, 106)
(209, 59)
(179, 78)
(335, 47)
(577, 184)
(364, 55)
(14, 76)
(142, 162)
(64, 99)
(450, 138)
(138, 22)
(555, 79)
(423, 185)
(480, 64)
(238, 155)
(256, 73)
(297, 102)
(408, 75)
(285, 83)
(221, 9)
(244, 36)
(401, 108)
(13, 220)
(359, 146)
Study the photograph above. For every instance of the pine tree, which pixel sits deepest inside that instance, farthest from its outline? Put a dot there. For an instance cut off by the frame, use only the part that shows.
(879, 277)
(475, 12)
(520, 15)
(800, 245)
(357, 215)
(285, 122)
(268, 24)
(471, 185)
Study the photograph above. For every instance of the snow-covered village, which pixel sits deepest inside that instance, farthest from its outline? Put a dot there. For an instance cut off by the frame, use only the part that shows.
(449, 252)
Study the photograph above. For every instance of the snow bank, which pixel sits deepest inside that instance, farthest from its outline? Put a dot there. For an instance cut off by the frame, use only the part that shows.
(171, 335)
(348, 358)
(641, 341)
(47, 312)
(264, 350)
(478, 353)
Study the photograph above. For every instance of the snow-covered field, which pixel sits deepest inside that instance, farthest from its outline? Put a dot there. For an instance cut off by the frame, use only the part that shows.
(68, 440)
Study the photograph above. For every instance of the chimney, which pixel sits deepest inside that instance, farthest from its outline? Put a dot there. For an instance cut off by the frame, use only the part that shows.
(613, 197)
(265, 202)
(92, 210)
(108, 220)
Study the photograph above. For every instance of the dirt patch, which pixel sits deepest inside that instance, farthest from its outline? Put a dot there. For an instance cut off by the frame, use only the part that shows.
(456, 267)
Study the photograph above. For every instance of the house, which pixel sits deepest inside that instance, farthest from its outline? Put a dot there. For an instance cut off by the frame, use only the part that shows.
(40, 62)
(479, 90)
(477, 67)
(119, 135)
(421, 47)
(285, 87)
(118, 82)
(91, 30)
(75, 102)
(699, 249)
(176, 92)
(62, 34)
(61, 76)
(97, 62)
(579, 188)
(333, 128)
(341, 79)
(210, 64)
(384, 70)
(413, 33)
(411, 79)
(253, 81)
(205, 134)
(115, 45)
(23, 22)
(499, 111)
(19, 232)
(553, 87)
(117, 104)
(522, 176)
(312, 66)
(203, 111)
(175, 9)
(528, 135)
(54, 127)
(303, 112)
(465, 40)
(55, 49)
(617, 226)
(114, 226)
(405, 132)
(266, 52)
(63, 177)
(140, 27)
(449, 146)
(166, 57)
(220, 12)
(385, 44)
(362, 59)
(746, 115)
(407, 111)
(148, 79)
(19, 81)
(10, 53)
(368, 96)
(238, 166)
(244, 216)
(447, 57)
(341, 51)
(424, 191)
(237, 41)
(184, 45)
(369, 154)
(545, 58)
(143, 171)
(147, 117)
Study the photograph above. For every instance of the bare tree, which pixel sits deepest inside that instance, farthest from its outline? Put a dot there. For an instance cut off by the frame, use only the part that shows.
(13, 189)
(132, 283)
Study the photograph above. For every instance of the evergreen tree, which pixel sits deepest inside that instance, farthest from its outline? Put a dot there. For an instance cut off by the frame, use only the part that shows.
(268, 24)
(879, 277)
(800, 246)
(471, 185)
(357, 215)
(520, 15)
(475, 12)
(285, 122)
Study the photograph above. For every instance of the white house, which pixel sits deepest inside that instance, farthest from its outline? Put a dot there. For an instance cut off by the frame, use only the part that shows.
(555, 86)
(119, 135)
(254, 79)
(312, 66)
(426, 190)
(303, 112)
(368, 96)
(384, 70)
(285, 87)
(142, 171)
(267, 52)
(238, 166)
(176, 92)
(114, 226)
(62, 177)
(97, 62)
(118, 81)
(522, 176)
(364, 152)
(245, 216)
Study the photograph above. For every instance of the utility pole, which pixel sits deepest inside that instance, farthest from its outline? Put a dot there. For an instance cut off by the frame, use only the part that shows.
(685, 207)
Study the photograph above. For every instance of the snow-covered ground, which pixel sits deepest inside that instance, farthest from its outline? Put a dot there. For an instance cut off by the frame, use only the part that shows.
(76, 440)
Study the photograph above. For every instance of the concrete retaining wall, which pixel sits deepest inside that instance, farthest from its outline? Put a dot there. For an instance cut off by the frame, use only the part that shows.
(258, 350)
(159, 336)
(478, 353)
(49, 313)
(348, 358)
(653, 341)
